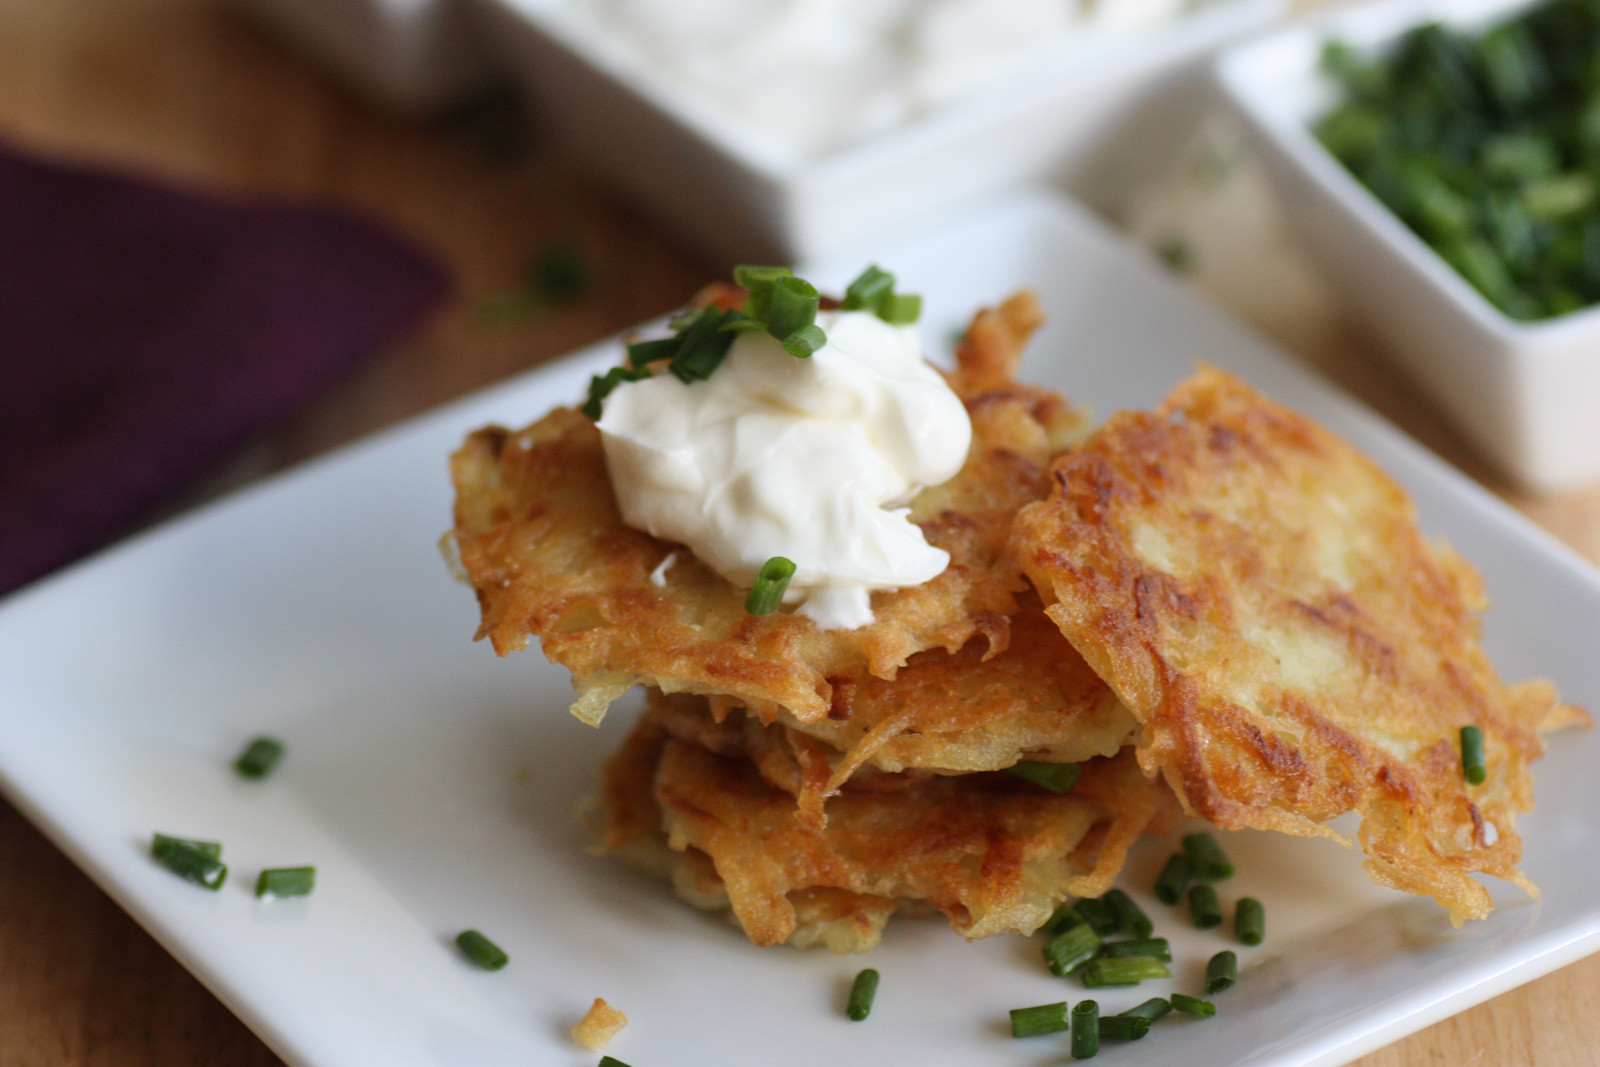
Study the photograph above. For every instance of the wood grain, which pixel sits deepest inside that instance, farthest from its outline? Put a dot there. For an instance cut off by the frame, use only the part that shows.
(188, 90)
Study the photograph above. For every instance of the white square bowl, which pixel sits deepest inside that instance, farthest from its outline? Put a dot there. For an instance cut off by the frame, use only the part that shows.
(1524, 394)
(735, 196)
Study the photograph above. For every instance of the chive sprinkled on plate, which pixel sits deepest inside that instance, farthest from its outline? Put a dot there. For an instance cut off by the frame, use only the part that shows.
(1249, 921)
(286, 881)
(1205, 910)
(766, 595)
(1151, 1010)
(1157, 947)
(1206, 857)
(1173, 878)
(199, 862)
(1098, 914)
(1127, 970)
(1222, 970)
(611, 1061)
(1123, 1027)
(862, 992)
(259, 758)
(1182, 1002)
(481, 951)
(1085, 1030)
(1040, 1019)
(1071, 949)
(1473, 766)
(1056, 777)
(1131, 918)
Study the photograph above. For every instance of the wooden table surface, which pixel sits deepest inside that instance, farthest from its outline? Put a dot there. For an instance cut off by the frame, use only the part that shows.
(187, 89)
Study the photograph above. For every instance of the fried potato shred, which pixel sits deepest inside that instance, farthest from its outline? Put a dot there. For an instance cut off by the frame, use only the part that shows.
(1259, 595)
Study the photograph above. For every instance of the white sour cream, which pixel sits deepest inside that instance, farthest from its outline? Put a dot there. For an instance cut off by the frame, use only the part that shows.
(811, 459)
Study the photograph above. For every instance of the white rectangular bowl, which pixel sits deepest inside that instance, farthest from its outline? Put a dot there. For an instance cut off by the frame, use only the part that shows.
(663, 148)
(1523, 393)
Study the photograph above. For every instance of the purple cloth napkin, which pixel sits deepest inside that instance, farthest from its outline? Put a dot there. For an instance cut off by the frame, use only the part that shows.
(146, 331)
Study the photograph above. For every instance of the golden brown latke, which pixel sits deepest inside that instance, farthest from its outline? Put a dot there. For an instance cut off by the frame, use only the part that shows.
(990, 851)
(1259, 595)
(540, 539)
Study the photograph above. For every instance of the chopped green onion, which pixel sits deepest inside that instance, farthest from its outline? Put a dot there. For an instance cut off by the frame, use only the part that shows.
(481, 951)
(1204, 908)
(869, 288)
(1128, 970)
(259, 757)
(643, 353)
(1101, 919)
(1206, 857)
(1040, 1019)
(767, 594)
(1123, 1027)
(1085, 1030)
(1071, 949)
(601, 385)
(1056, 777)
(1472, 762)
(286, 881)
(793, 306)
(900, 309)
(1221, 971)
(862, 991)
(805, 341)
(1158, 947)
(1130, 917)
(1061, 919)
(1150, 1010)
(196, 861)
(1174, 877)
(1249, 921)
(1192, 1005)
(611, 1061)
(702, 344)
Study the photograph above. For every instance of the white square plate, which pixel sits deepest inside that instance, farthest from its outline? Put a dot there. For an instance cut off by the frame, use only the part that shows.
(434, 785)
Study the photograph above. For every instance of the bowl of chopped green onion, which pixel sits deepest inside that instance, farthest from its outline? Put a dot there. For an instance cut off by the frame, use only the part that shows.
(1442, 162)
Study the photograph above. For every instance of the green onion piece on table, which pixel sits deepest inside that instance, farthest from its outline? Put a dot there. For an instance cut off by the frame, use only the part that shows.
(1131, 918)
(1182, 1002)
(1085, 1030)
(286, 881)
(481, 951)
(1071, 949)
(259, 757)
(195, 861)
(1098, 914)
(1174, 877)
(1221, 971)
(1157, 947)
(1062, 918)
(862, 992)
(1206, 857)
(1056, 777)
(771, 582)
(1128, 970)
(1123, 1027)
(1040, 1019)
(1249, 921)
(1151, 1010)
(1472, 761)
(1205, 910)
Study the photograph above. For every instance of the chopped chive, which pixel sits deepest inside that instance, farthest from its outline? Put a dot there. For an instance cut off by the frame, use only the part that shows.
(195, 861)
(611, 1061)
(758, 282)
(1192, 1005)
(481, 951)
(1130, 917)
(1128, 970)
(286, 881)
(805, 341)
(1151, 1010)
(1204, 908)
(1098, 914)
(900, 309)
(1056, 777)
(1123, 1027)
(1206, 857)
(259, 757)
(701, 346)
(792, 306)
(1249, 921)
(1040, 1019)
(601, 385)
(1061, 919)
(1221, 971)
(862, 992)
(1071, 949)
(767, 594)
(1085, 1030)
(1472, 763)
(643, 353)
(870, 287)
(1174, 877)
(1144, 946)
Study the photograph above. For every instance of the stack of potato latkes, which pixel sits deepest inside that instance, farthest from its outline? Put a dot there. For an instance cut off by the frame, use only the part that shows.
(1217, 602)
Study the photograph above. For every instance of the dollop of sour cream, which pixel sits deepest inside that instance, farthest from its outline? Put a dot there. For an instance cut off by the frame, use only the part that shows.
(812, 459)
